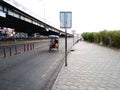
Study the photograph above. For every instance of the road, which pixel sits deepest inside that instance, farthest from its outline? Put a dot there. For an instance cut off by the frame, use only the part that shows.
(31, 70)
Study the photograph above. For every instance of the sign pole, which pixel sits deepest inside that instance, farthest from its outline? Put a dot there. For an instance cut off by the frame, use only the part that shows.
(65, 46)
(65, 22)
(73, 38)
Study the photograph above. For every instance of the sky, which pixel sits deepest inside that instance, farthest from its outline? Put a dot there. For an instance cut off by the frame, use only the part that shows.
(87, 15)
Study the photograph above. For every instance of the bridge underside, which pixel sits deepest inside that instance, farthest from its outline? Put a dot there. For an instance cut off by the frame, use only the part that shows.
(23, 26)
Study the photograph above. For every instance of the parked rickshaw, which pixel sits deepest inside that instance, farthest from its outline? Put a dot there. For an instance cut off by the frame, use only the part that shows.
(54, 42)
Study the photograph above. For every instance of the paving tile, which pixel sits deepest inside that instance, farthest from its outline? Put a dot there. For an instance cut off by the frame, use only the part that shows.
(90, 67)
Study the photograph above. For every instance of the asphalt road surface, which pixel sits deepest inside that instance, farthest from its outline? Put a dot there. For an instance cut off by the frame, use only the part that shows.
(32, 70)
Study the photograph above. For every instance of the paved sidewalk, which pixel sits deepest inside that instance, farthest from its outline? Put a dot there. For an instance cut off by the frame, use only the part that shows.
(90, 67)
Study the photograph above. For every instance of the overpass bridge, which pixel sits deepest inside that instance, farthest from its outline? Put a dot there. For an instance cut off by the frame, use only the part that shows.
(14, 15)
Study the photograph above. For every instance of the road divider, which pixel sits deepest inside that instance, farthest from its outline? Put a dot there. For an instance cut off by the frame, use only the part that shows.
(4, 52)
(10, 51)
(16, 49)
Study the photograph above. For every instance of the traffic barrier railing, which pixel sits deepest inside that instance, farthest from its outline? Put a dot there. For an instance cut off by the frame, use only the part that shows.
(4, 51)
(9, 51)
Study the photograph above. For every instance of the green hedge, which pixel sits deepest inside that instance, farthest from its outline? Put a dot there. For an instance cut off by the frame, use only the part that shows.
(105, 37)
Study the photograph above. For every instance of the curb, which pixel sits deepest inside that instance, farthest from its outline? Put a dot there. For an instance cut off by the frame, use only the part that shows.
(50, 83)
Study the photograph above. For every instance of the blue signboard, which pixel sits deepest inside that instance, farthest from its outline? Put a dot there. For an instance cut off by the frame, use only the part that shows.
(65, 19)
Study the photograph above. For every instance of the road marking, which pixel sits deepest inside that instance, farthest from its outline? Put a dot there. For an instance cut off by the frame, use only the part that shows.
(44, 75)
(50, 68)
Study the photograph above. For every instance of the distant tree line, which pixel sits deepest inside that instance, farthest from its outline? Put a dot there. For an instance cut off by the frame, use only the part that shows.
(111, 38)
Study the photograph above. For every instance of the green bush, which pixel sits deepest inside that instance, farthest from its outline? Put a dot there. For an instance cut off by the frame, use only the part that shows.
(84, 35)
(88, 36)
(105, 37)
(116, 39)
(96, 37)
